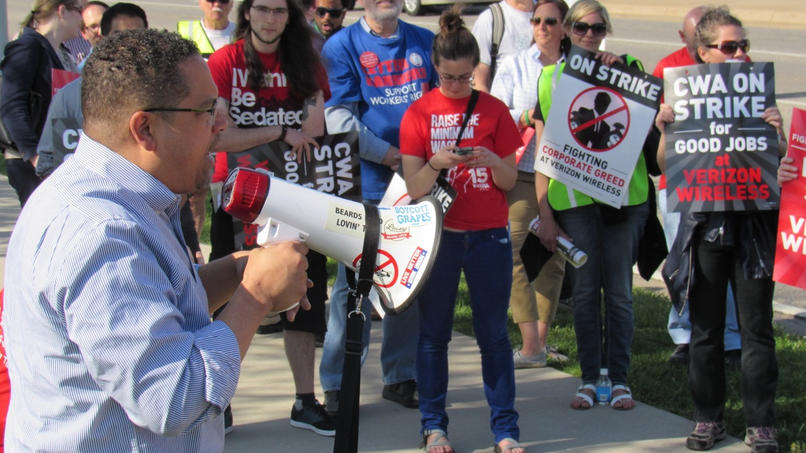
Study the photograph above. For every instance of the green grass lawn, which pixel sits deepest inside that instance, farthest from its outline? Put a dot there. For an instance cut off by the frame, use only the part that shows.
(663, 385)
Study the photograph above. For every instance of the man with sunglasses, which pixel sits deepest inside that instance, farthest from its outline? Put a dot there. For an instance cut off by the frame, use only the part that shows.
(106, 320)
(679, 325)
(328, 16)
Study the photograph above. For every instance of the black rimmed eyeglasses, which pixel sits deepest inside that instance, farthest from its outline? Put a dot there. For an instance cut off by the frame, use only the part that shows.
(218, 105)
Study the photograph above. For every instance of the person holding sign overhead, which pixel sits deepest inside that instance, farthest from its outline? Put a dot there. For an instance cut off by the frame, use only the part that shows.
(609, 236)
(533, 304)
(735, 247)
(475, 238)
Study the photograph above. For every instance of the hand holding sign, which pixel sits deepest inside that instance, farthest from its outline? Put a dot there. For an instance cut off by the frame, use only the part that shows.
(300, 141)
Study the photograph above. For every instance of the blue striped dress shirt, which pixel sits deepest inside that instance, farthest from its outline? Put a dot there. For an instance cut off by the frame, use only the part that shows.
(109, 342)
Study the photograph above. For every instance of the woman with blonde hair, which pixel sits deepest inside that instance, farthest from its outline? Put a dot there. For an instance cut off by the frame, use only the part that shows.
(609, 236)
(26, 88)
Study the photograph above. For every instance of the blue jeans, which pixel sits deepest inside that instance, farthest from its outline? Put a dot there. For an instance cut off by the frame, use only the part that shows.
(612, 251)
(398, 350)
(679, 325)
(486, 258)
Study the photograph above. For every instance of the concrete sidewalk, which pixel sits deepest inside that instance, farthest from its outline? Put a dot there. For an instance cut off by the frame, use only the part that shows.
(769, 13)
(262, 406)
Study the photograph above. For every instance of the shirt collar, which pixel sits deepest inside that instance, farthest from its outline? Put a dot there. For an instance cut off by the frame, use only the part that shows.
(366, 28)
(112, 166)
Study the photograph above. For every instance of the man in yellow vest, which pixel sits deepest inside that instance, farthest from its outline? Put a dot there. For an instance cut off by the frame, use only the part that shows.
(210, 33)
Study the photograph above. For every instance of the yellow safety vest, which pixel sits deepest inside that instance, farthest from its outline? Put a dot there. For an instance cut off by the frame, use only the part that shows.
(193, 30)
(562, 197)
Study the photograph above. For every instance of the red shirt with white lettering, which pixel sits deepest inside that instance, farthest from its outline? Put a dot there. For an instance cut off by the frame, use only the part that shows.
(271, 106)
(433, 122)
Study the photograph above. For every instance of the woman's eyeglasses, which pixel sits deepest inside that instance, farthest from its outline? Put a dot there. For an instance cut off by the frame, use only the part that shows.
(448, 78)
(322, 12)
(550, 21)
(581, 28)
(730, 47)
(265, 10)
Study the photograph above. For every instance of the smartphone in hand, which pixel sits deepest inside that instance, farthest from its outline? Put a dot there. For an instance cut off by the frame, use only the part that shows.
(463, 150)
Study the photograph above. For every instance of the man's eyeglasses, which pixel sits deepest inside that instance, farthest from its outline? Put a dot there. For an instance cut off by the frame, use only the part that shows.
(550, 21)
(223, 2)
(730, 47)
(265, 10)
(448, 78)
(581, 28)
(219, 105)
(322, 12)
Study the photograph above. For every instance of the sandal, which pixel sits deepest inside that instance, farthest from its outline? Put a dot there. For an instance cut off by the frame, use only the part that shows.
(513, 444)
(440, 440)
(624, 398)
(586, 397)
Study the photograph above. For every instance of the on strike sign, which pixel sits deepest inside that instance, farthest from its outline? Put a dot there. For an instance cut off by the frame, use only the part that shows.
(720, 154)
(599, 119)
(790, 253)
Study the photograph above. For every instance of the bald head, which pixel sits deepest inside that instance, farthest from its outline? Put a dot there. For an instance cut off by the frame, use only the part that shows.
(690, 21)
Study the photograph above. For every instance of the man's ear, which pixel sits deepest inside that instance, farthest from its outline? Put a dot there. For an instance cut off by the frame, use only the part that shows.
(141, 126)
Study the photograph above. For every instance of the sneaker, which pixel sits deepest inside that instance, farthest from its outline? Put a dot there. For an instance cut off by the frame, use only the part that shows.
(522, 361)
(228, 420)
(553, 355)
(313, 418)
(761, 439)
(705, 435)
(403, 393)
(733, 360)
(332, 402)
(680, 355)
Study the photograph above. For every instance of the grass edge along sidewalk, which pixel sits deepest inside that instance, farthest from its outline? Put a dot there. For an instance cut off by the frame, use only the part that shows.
(655, 382)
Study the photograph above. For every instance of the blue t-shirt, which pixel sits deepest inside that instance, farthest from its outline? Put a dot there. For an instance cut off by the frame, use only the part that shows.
(383, 76)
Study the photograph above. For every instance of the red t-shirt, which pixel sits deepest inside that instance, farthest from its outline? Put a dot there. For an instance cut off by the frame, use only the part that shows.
(271, 106)
(432, 123)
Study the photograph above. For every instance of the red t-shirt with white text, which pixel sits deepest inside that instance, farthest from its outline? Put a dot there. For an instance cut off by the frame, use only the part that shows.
(433, 122)
(271, 106)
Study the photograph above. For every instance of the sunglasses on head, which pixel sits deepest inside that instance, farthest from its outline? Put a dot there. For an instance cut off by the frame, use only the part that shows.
(730, 47)
(550, 21)
(223, 2)
(322, 12)
(581, 28)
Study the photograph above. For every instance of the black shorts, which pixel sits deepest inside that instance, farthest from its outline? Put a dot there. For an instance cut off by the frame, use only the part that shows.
(312, 320)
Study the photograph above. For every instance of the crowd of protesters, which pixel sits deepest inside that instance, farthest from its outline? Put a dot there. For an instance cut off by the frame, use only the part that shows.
(128, 340)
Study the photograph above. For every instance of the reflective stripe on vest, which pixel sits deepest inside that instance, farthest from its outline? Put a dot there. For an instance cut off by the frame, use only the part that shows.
(562, 197)
(193, 30)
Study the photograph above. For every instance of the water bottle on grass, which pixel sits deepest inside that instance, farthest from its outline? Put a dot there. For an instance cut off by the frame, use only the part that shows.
(603, 387)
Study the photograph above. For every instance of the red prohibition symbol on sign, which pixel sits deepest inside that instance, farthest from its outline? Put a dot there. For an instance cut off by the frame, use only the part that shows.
(383, 270)
(599, 119)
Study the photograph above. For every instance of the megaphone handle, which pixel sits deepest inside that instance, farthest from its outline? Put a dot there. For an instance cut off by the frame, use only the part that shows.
(346, 440)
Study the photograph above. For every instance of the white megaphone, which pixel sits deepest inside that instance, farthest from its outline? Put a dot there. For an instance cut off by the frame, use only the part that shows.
(333, 226)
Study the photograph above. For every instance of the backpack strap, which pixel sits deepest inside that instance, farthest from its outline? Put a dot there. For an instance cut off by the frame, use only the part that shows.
(498, 34)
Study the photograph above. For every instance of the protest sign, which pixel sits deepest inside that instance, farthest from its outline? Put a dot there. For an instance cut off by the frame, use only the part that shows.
(599, 119)
(59, 78)
(65, 135)
(790, 253)
(334, 168)
(720, 154)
